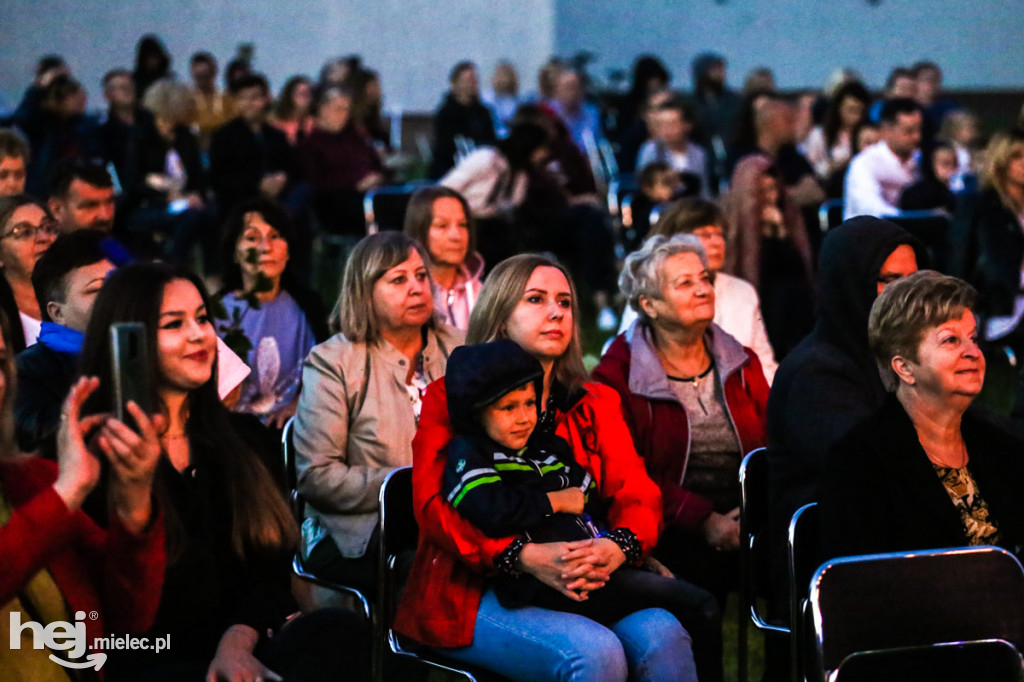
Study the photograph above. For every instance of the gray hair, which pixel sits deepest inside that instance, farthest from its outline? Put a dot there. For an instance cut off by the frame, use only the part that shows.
(170, 100)
(641, 275)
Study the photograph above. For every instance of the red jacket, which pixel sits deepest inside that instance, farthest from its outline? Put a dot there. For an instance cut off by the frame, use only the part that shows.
(658, 422)
(110, 572)
(453, 558)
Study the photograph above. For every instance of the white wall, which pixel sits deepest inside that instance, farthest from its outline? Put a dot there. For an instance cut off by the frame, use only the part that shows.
(412, 43)
(977, 42)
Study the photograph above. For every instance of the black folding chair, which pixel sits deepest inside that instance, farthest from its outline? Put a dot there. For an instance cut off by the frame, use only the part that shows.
(805, 555)
(298, 508)
(384, 207)
(399, 534)
(754, 552)
(933, 229)
(870, 604)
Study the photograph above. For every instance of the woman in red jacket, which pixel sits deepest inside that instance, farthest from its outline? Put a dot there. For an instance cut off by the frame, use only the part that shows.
(448, 604)
(60, 566)
(694, 399)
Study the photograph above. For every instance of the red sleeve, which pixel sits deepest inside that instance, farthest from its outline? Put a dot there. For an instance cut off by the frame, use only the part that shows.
(436, 518)
(37, 532)
(685, 509)
(635, 499)
(757, 384)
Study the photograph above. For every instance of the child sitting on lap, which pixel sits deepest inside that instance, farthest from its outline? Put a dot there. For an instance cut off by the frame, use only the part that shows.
(508, 478)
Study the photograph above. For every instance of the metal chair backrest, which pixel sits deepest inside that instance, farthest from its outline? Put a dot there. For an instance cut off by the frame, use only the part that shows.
(291, 477)
(754, 557)
(384, 208)
(399, 533)
(891, 601)
(805, 555)
(298, 508)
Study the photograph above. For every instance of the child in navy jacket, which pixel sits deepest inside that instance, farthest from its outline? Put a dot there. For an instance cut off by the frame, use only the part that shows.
(508, 478)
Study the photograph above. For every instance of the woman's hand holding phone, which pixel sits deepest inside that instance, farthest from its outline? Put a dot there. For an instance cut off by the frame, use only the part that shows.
(133, 457)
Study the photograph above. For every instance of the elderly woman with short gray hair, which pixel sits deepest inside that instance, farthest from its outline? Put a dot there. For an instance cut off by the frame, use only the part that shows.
(927, 471)
(694, 399)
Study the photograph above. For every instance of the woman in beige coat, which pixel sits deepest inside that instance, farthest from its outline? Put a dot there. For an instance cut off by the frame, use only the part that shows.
(360, 403)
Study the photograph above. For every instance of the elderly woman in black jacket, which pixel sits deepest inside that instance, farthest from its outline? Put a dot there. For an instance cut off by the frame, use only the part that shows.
(925, 471)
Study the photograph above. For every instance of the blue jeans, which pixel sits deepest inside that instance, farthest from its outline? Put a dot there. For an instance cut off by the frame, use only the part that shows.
(535, 644)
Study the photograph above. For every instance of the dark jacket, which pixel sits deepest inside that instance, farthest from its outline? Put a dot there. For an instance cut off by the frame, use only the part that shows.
(929, 193)
(44, 378)
(472, 121)
(880, 493)
(239, 158)
(500, 491)
(147, 153)
(115, 137)
(999, 242)
(207, 588)
(52, 138)
(658, 421)
(338, 161)
(830, 381)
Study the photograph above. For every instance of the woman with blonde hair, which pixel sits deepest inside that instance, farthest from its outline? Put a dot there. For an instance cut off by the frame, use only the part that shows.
(998, 236)
(166, 185)
(361, 395)
(449, 602)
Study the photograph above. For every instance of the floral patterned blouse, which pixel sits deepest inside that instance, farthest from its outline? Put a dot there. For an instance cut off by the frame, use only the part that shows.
(979, 526)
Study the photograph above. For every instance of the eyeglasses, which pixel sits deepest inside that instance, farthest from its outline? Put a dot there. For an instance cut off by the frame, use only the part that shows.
(25, 231)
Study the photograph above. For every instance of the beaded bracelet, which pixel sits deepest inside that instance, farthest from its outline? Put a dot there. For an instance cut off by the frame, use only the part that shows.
(508, 558)
(627, 542)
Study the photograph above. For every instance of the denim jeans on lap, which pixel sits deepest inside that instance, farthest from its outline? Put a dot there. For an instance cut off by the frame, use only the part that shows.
(535, 644)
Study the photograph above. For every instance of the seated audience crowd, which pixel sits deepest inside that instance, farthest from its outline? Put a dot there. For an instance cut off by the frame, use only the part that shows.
(574, 524)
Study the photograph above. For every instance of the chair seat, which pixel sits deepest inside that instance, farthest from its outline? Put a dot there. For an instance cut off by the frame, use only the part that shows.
(989, 660)
(424, 653)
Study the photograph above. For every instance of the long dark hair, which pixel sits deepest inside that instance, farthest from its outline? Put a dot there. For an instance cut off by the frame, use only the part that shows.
(260, 519)
(150, 47)
(277, 217)
(522, 141)
(284, 108)
(833, 121)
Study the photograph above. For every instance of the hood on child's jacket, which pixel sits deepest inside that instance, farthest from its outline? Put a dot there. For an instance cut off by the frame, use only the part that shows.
(476, 376)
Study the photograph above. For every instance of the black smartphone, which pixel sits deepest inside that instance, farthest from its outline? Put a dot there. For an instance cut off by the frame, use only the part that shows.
(131, 378)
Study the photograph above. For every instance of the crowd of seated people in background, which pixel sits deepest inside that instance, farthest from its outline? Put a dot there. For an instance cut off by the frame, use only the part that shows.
(734, 323)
